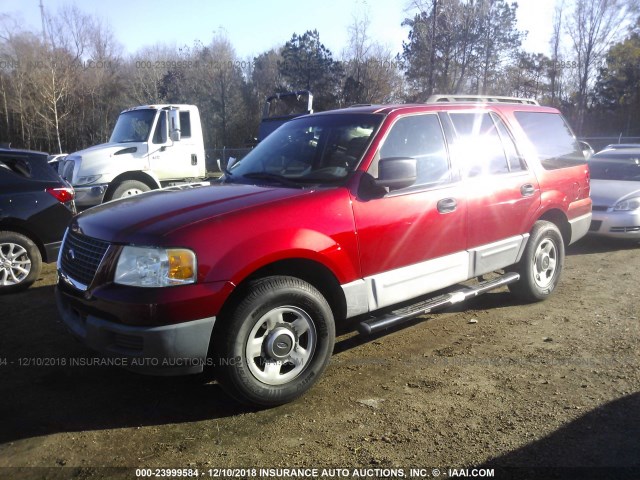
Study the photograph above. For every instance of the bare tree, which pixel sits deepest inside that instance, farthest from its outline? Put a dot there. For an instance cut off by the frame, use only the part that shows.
(592, 26)
(556, 39)
(371, 71)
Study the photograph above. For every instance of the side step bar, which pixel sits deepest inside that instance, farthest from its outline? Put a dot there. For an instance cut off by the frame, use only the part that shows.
(396, 317)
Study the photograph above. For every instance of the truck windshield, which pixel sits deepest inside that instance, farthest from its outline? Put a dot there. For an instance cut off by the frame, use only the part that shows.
(316, 149)
(133, 126)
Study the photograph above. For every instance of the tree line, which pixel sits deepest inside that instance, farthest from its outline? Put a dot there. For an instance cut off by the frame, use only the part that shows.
(62, 88)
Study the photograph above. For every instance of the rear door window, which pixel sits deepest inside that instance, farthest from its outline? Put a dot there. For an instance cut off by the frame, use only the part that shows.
(480, 144)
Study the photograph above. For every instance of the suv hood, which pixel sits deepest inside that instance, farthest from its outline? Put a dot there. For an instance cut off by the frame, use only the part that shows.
(149, 218)
(606, 193)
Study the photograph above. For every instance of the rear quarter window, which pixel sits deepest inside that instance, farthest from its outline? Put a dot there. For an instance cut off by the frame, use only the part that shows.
(552, 139)
(32, 166)
(18, 166)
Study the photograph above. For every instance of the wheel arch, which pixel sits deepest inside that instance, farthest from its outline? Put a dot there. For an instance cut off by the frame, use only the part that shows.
(18, 227)
(137, 175)
(558, 217)
(310, 271)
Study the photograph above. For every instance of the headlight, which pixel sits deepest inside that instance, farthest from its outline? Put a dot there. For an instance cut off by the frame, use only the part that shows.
(628, 204)
(156, 267)
(87, 180)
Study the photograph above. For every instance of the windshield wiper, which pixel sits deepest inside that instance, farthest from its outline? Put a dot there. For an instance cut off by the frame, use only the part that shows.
(272, 177)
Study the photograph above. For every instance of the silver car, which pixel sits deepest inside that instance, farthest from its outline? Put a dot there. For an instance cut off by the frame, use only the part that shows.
(615, 191)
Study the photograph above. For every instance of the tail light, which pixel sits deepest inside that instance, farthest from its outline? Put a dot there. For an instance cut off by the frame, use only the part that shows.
(62, 194)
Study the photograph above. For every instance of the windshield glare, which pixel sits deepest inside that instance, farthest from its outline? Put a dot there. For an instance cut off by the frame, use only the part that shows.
(316, 149)
(133, 126)
(626, 169)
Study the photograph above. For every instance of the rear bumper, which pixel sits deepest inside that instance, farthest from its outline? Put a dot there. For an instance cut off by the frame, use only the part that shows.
(579, 227)
(51, 251)
(176, 349)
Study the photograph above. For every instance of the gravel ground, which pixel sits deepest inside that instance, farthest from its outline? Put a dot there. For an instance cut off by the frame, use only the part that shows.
(547, 390)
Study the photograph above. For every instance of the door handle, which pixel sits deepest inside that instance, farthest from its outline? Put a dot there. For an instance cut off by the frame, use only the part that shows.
(447, 205)
(194, 159)
(527, 190)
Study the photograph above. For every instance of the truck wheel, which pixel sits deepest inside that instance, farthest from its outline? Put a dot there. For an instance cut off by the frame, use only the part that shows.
(541, 263)
(128, 188)
(20, 262)
(275, 342)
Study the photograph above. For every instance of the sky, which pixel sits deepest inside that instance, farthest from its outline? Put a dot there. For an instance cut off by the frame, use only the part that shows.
(255, 26)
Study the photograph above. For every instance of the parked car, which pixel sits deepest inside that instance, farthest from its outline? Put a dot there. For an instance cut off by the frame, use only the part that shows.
(615, 191)
(36, 206)
(621, 146)
(364, 212)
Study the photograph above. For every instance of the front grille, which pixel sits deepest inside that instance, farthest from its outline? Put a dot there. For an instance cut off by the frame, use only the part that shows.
(81, 256)
(599, 208)
(595, 225)
(624, 229)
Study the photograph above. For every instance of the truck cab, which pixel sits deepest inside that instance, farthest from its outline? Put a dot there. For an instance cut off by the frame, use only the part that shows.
(152, 146)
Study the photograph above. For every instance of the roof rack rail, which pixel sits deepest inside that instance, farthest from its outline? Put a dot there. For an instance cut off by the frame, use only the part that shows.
(480, 99)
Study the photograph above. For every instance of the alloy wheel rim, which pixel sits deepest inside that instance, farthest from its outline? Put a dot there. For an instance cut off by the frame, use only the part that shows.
(15, 264)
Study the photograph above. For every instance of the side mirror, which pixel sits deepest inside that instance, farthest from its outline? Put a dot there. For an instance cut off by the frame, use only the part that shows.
(396, 172)
(587, 150)
(174, 125)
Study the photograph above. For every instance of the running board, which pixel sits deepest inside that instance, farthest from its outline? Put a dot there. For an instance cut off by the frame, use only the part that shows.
(396, 317)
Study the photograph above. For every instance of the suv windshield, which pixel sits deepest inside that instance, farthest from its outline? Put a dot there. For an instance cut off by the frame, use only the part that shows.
(133, 126)
(317, 149)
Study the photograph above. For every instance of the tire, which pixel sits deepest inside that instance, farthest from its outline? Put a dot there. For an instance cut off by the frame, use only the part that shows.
(20, 262)
(128, 188)
(541, 263)
(275, 343)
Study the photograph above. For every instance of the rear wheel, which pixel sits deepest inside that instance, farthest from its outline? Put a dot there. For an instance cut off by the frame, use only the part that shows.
(20, 262)
(275, 342)
(541, 263)
(128, 188)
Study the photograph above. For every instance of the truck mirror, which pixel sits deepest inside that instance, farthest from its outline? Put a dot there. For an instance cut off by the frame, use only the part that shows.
(174, 125)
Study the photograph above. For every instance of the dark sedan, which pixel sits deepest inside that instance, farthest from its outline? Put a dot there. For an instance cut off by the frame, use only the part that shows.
(35, 207)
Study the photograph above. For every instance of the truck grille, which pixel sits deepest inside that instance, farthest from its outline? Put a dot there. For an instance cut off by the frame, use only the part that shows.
(81, 256)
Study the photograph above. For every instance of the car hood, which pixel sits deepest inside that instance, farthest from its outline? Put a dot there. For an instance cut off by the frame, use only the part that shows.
(606, 193)
(151, 218)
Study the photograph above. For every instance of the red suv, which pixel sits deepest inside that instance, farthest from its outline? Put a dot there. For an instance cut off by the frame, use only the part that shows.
(349, 213)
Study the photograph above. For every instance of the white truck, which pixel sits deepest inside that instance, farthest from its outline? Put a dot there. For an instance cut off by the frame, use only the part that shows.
(152, 146)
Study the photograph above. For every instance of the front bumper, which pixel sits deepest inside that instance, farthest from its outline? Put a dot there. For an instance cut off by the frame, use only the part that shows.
(616, 224)
(90, 195)
(175, 349)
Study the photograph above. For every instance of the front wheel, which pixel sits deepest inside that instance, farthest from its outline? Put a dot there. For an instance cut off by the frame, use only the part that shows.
(128, 188)
(541, 263)
(275, 343)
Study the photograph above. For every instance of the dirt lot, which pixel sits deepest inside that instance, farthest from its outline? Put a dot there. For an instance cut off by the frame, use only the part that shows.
(554, 384)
